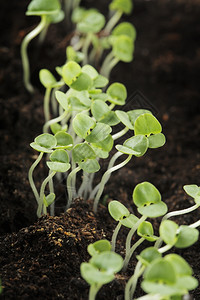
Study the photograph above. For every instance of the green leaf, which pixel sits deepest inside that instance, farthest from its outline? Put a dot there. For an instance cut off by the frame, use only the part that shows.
(160, 270)
(76, 104)
(168, 232)
(57, 127)
(145, 193)
(99, 109)
(125, 28)
(78, 14)
(82, 83)
(98, 247)
(187, 236)
(46, 140)
(38, 148)
(82, 152)
(124, 118)
(110, 119)
(70, 72)
(59, 155)
(162, 289)
(137, 143)
(82, 124)
(191, 189)
(107, 261)
(43, 7)
(90, 166)
(123, 48)
(187, 282)
(145, 230)
(93, 275)
(57, 17)
(106, 144)
(117, 93)
(147, 124)
(100, 81)
(135, 113)
(48, 200)
(92, 22)
(47, 78)
(58, 166)
(129, 221)
(124, 6)
(62, 99)
(99, 152)
(117, 210)
(156, 140)
(90, 71)
(99, 133)
(180, 265)
(64, 140)
(127, 150)
(153, 210)
(148, 255)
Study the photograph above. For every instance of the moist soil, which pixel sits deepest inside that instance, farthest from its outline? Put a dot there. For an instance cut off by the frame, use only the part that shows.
(40, 259)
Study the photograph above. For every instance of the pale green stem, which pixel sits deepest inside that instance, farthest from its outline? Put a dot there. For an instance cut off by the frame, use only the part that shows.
(110, 165)
(30, 177)
(85, 48)
(195, 225)
(105, 178)
(111, 106)
(120, 133)
(83, 184)
(158, 243)
(53, 121)
(51, 189)
(69, 185)
(93, 291)
(109, 68)
(114, 236)
(165, 248)
(76, 3)
(46, 104)
(73, 180)
(130, 253)
(113, 21)
(42, 190)
(43, 34)
(131, 233)
(132, 282)
(78, 45)
(24, 55)
(106, 62)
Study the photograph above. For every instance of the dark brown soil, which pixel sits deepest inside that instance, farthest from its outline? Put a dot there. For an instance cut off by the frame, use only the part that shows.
(40, 259)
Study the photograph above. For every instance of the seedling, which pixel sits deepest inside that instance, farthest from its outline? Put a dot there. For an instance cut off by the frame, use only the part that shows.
(100, 270)
(49, 11)
(98, 247)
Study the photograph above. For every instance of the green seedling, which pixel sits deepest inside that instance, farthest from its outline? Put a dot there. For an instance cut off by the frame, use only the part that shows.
(100, 270)
(119, 7)
(169, 276)
(49, 11)
(99, 247)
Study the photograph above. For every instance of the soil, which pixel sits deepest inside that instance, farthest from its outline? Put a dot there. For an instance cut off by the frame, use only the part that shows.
(40, 259)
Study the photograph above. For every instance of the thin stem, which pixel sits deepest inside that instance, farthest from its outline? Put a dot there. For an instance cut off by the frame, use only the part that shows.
(120, 133)
(85, 48)
(114, 236)
(113, 21)
(109, 68)
(93, 291)
(46, 104)
(195, 225)
(43, 34)
(83, 184)
(106, 62)
(42, 190)
(165, 248)
(110, 165)
(131, 233)
(69, 185)
(51, 190)
(105, 178)
(30, 177)
(24, 54)
(53, 121)
(130, 253)
(132, 282)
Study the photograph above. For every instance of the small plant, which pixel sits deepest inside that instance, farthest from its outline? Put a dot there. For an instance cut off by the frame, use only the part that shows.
(102, 266)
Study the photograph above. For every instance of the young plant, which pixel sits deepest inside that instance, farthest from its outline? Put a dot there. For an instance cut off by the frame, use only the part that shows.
(100, 270)
(50, 12)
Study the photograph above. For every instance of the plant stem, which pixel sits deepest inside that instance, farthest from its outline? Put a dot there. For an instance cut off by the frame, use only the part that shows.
(69, 185)
(105, 178)
(24, 55)
(42, 190)
(131, 233)
(85, 47)
(130, 253)
(113, 21)
(120, 133)
(93, 291)
(43, 34)
(83, 184)
(51, 189)
(46, 104)
(30, 177)
(106, 62)
(195, 225)
(53, 121)
(109, 68)
(165, 248)
(132, 282)
(114, 236)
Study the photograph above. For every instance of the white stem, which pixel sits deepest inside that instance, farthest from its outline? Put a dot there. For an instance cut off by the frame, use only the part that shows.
(130, 253)
(53, 121)
(120, 133)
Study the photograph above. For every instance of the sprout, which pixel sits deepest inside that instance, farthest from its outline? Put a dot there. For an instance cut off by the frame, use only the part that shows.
(100, 270)
(98, 247)
(47, 10)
